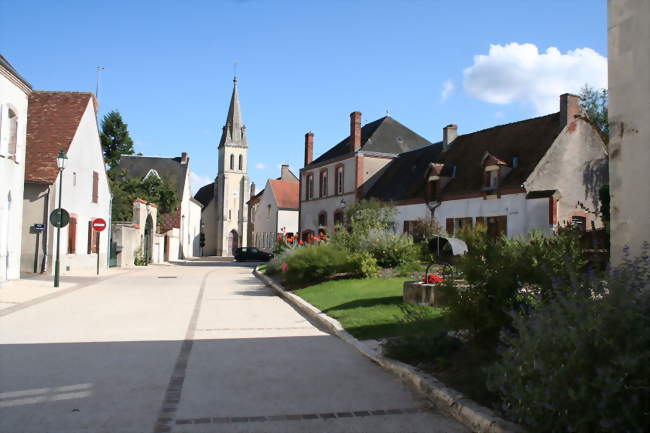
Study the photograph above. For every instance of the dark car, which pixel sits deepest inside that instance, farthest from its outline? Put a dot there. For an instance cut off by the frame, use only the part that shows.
(252, 254)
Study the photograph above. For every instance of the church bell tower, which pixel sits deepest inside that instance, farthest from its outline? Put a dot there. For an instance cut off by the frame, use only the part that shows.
(232, 190)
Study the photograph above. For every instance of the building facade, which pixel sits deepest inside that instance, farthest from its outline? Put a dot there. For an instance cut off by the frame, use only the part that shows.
(342, 175)
(629, 115)
(14, 95)
(64, 121)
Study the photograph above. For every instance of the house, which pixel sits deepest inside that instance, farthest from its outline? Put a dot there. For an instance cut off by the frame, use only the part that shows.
(342, 175)
(64, 121)
(530, 175)
(275, 209)
(629, 115)
(182, 226)
(14, 95)
(225, 216)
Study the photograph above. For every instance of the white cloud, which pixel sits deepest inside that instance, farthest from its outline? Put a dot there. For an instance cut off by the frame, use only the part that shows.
(447, 89)
(197, 181)
(520, 73)
(260, 166)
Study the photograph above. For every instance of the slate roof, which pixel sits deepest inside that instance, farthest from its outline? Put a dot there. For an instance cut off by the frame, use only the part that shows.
(205, 194)
(52, 121)
(385, 135)
(528, 140)
(169, 169)
(286, 193)
(5, 64)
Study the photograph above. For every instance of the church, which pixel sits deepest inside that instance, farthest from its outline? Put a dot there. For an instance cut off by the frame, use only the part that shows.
(224, 218)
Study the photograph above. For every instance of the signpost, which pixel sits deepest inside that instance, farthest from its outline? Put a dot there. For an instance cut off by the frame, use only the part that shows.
(99, 224)
(59, 218)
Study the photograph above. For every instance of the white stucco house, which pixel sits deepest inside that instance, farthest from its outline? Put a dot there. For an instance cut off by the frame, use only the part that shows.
(274, 210)
(14, 94)
(64, 121)
(534, 174)
(180, 228)
(342, 175)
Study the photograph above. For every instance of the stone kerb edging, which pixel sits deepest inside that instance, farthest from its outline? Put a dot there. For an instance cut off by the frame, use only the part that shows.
(469, 413)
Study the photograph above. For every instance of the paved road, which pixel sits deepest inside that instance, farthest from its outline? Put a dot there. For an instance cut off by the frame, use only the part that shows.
(200, 347)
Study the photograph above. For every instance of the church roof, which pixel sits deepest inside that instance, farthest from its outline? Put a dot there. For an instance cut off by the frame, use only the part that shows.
(234, 131)
(384, 135)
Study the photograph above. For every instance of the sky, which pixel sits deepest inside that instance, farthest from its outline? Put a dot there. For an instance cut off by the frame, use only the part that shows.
(305, 66)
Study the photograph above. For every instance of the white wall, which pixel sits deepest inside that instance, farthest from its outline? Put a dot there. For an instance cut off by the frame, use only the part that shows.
(288, 219)
(12, 179)
(84, 157)
(193, 229)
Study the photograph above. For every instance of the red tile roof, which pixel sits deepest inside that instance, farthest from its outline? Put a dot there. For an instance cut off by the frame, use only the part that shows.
(286, 193)
(52, 121)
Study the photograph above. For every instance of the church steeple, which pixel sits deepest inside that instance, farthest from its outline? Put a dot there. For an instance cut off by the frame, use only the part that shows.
(234, 131)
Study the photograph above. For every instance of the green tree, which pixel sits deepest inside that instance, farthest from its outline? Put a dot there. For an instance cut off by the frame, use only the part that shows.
(115, 140)
(594, 102)
(152, 189)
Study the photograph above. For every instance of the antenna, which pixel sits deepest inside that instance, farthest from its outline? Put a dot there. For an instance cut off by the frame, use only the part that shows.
(99, 69)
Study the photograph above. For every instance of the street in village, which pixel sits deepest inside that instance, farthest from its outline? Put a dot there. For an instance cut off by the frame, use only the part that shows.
(192, 347)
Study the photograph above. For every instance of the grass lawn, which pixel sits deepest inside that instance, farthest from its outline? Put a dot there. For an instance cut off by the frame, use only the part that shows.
(369, 308)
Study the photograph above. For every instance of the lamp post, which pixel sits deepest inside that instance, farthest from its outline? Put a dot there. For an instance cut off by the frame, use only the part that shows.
(61, 159)
(147, 235)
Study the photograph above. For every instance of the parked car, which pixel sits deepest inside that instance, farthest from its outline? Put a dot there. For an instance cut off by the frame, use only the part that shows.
(252, 254)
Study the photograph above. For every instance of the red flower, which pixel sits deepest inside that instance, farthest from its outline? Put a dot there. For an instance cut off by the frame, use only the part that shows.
(432, 279)
(300, 242)
(279, 238)
(285, 267)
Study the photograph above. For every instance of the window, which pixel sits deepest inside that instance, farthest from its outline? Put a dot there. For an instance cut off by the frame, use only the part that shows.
(241, 162)
(322, 219)
(95, 187)
(310, 187)
(93, 239)
(72, 235)
(323, 183)
(13, 134)
(493, 179)
(268, 211)
(408, 227)
(229, 214)
(338, 187)
(339, 218)
(454, 225)
(232, 162)
(497, 226)
(74, 178)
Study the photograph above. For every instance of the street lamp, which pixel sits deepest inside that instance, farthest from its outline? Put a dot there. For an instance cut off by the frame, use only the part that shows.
(61, 159)
(342, 204)
(147, 235)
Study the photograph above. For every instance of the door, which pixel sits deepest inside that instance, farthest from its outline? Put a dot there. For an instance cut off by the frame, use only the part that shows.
(233, 241)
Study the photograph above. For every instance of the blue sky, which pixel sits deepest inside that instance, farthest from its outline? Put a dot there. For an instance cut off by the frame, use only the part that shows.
(305, 65)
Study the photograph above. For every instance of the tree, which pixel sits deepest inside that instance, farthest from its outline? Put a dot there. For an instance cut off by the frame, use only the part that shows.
(152, 189)
(594, 102)
(115, 140)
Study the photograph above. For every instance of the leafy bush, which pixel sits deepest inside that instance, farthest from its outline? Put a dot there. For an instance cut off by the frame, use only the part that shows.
(434, 348)
(363, 264)
(582, 363)
(313, 263)
(139, 259)
(391, 250)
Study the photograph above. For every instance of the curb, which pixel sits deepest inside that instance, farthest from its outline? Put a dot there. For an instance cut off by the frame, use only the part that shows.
(477, 418)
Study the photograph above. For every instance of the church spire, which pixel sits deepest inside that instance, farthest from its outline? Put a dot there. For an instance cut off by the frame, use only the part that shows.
(234, 132)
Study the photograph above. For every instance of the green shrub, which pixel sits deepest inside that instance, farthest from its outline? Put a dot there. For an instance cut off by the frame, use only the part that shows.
(313, 263)
(391, 250)
(139, 259)
(363, 264)
(412, 349)
(581, 363)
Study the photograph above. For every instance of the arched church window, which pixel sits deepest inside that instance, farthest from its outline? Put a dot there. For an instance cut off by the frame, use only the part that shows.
(241, 162)
(232, 161)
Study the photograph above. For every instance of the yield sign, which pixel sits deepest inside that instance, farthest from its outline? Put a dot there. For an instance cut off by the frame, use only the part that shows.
(99, 224)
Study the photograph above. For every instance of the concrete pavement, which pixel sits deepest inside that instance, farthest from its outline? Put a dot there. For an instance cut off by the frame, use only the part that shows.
(195, 347)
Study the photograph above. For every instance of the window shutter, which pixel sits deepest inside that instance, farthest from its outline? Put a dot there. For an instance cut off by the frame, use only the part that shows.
(480, 221)
(467, 221)
(90, 237)
(72, 235)
(502, 225)
(450, 226)
(95, 186)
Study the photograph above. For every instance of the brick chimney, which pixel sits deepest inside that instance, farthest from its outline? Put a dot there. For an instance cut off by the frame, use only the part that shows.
(284, 172)
(355, 131)
(184, 158)
(309, 148)
(449, 134)
(252, 189)
(569, 108)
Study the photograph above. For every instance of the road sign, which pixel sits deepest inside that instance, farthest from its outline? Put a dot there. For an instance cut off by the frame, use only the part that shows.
(99, 224)
(59, 217)
(38, 227)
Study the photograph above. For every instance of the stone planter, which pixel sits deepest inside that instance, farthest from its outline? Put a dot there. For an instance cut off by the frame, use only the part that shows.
(419, 293)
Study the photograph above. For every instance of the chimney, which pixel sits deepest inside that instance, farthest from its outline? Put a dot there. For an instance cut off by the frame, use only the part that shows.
(309, 148)
(184, 158)
(355, 131)
(449, 134)
(569, 108)
(284, 172)
(252, 189)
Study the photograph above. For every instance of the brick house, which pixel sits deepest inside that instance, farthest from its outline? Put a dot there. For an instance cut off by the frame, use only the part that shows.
(342, 175)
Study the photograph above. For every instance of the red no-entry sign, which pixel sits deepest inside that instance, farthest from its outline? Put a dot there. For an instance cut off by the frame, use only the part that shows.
(99, 224)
